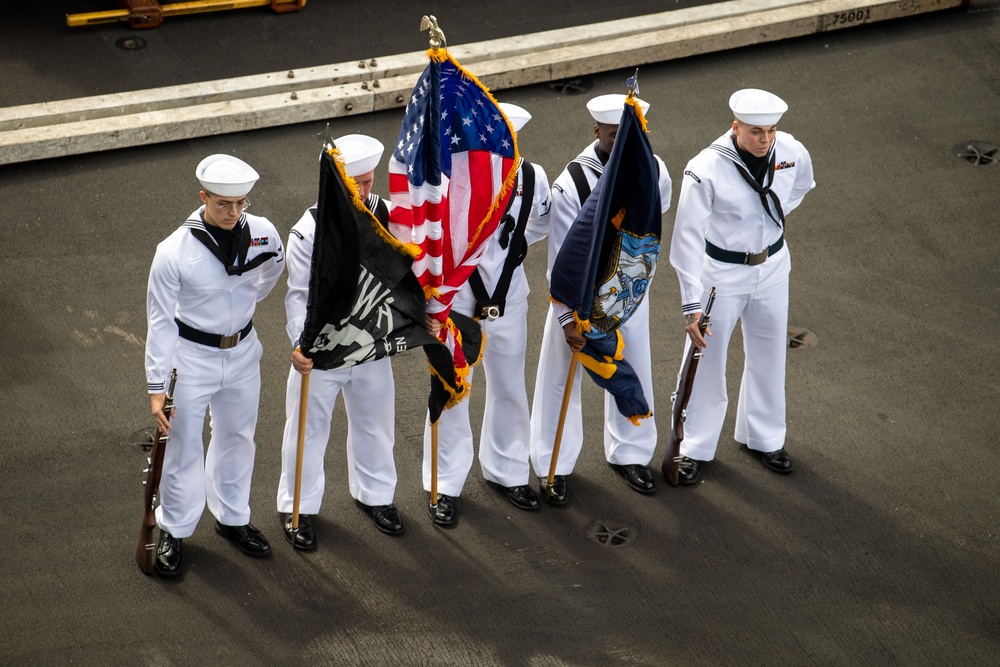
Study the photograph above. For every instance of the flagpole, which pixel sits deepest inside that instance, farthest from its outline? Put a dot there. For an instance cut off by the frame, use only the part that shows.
(437, 41)
(562, 420)
(299, 452)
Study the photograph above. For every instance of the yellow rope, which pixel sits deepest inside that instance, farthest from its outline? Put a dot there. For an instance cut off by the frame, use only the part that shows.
(634, 103)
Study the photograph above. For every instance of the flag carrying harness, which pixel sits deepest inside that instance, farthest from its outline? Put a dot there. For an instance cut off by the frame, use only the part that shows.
(491, 307)
(575, 170)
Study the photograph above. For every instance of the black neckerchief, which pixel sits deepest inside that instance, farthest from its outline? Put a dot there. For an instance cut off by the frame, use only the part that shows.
(235, 266)
(756, 165)
(601, 155)
(227, 240)
(762, 187)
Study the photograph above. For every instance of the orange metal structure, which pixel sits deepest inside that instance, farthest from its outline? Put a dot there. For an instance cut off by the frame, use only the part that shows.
(150, 13)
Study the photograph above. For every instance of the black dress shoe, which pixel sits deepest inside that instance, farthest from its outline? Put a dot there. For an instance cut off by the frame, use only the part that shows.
(385, 517)
(445, 513)
(778, 461)
(247, 538)
(305, 537)
(559, 495)
(638, 477)
(523, 496)
(688, 471)
(168, 555)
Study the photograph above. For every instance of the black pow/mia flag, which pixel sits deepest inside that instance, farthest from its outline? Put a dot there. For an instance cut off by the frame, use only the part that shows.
(364, 301)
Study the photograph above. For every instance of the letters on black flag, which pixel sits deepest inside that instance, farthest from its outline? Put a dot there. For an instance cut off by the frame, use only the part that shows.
(364, 302)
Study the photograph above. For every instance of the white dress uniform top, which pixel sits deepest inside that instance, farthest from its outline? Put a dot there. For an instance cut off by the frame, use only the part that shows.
(504, 439)
(624, 443)
(719, 206)
(188, 283)
(368, 388)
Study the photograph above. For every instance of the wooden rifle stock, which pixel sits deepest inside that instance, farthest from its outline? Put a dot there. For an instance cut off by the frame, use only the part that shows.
(145, 550)
(680, 398)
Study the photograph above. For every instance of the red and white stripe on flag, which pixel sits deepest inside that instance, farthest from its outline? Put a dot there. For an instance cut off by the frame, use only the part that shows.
(451, 176)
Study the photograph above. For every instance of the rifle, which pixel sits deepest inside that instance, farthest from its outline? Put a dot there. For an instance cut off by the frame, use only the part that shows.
(680, 398)
(145, 550)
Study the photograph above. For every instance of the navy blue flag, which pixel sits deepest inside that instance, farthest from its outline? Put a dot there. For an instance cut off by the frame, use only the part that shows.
(605, 264)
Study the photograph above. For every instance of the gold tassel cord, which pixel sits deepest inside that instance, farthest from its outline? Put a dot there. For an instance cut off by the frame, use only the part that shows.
(634, 103)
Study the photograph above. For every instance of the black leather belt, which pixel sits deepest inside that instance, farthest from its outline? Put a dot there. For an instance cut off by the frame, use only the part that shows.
(747, 258)
(212, 340)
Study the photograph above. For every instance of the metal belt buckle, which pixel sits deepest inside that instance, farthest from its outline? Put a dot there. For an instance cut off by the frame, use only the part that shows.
(753, 259)
(226, 342)
(489, 309)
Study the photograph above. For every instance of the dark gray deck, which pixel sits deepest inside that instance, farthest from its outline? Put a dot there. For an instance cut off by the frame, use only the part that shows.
(881, 549)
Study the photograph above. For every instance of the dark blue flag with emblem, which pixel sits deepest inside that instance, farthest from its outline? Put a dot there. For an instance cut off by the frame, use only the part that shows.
(364, 301)
(605, 265)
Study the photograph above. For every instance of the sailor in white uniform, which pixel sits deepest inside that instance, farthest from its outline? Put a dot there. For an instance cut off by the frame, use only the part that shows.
(729, 234)
(368, 388)
(627, 448)
(496, 295)
(204, 284)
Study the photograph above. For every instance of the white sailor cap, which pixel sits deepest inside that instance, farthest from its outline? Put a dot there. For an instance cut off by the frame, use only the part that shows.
(226, 176)
(757, 107)
(607, 109)
(518, 116)
(361, 153)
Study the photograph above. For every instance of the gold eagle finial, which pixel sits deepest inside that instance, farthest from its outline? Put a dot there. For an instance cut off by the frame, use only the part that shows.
(436, 35)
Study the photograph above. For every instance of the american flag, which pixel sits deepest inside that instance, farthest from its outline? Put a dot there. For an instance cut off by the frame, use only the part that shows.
(450, 178)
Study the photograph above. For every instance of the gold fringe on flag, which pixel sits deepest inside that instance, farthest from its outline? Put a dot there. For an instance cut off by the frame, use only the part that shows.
(461, 380)
(410, 250)
(442, 55)
(582, 326)
(431, 292)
